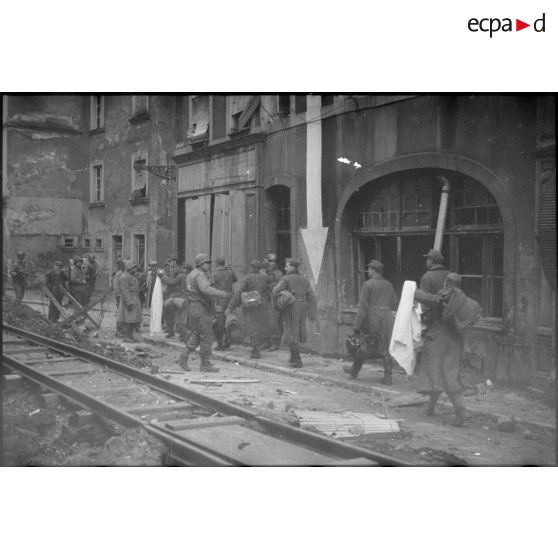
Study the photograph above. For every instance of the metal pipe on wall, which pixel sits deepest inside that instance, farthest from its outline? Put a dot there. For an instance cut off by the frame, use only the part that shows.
(442, 213)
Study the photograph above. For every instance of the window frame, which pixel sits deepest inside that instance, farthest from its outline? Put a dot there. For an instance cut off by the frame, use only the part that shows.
(139, 156)
(135, 112)
(93, 183)
(96, 112)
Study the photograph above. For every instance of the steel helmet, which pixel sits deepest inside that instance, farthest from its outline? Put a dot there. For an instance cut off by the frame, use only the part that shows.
(201, 259)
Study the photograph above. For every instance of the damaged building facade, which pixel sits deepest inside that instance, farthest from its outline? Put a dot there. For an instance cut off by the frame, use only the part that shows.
(333, 180)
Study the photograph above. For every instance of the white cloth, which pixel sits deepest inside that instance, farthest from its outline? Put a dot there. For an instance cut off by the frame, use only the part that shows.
(156, 308)
(406, 335)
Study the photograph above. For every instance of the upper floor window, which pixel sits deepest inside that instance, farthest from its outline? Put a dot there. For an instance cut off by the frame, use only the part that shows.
(139, 176)
(284, 105)
(97, 187)
(140, 105)
(327, 100)
(199, 118)
(97, 112)
(300, 103)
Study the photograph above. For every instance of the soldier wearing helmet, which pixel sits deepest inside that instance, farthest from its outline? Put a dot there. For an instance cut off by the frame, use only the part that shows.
(18, 274)
(201, 313)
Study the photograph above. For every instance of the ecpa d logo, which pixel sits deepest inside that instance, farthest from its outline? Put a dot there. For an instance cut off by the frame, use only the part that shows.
(492, 25)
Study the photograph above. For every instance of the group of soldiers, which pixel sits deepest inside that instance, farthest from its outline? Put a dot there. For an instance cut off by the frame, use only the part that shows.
(446, 314)
(200, 303)
(78, 279)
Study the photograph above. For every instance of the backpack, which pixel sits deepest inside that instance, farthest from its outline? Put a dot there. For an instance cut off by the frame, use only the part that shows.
(250, 299)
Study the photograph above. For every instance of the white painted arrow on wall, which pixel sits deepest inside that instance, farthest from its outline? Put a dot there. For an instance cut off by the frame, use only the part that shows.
(314, 235)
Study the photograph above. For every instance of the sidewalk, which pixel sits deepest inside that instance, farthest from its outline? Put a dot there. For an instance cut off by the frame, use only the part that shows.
(491, 402)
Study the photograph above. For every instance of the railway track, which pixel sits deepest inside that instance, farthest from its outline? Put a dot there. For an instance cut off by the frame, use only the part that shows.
(196, 429)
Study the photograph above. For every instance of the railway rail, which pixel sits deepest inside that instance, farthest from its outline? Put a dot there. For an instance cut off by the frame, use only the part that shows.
(196, 429)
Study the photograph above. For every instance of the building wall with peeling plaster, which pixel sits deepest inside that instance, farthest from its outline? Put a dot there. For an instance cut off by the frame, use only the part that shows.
(50, 149)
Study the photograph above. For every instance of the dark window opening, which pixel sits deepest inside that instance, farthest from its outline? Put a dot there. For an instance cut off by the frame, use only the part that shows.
(300, 103)
(98, 111)
(139, 189)
(284, 107)
(278, 226)
(139, 250)
(327, 100)
(219, 116)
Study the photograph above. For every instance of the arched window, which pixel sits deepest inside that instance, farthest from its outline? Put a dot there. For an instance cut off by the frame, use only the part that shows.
(397, 223)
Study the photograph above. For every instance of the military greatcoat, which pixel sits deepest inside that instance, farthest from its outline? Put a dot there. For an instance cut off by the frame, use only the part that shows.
(294, 316)
(375, 315)
(438, 368)
(129, 310)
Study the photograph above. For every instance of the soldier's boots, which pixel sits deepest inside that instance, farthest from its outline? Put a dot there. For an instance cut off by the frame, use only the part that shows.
(266, 344)
(255, 353)
(183, 360)
(206, 366)
(387, 379)
(170, 334)
(459, 409)
(354, 368)
(295, 361)
(227, 341)
(430, 407)
(274, 345)
(128, 330)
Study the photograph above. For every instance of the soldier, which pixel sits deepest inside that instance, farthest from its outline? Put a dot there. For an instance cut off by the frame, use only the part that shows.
(440, 363)
(175, 308)
(272, 270)
(294, 315)
(55, 279)
(116, 275)
(200, 314)
(18, 274)
(78, 282)
(129, 311)
(92, 271)
(223, 279)
(375, 317)
(433, 280)
(257, 315)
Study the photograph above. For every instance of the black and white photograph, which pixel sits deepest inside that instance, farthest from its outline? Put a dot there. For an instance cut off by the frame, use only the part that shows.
(293, 279)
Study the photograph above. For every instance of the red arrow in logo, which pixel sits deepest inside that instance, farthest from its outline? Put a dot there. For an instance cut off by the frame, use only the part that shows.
(519, 25)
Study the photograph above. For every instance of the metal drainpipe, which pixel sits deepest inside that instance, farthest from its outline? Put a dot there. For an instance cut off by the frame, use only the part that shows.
(442, 213)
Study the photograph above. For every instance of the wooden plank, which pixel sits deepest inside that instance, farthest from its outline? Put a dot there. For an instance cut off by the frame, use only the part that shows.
(26, 350)
(347, 425)
(69, 372)
(148, 409)
(51, 297)
(205, 422)
(248, 447)
(50, 360)
(211, 381)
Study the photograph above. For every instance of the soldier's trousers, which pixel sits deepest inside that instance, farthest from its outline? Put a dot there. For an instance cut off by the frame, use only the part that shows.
(201, 330)
(19, 288)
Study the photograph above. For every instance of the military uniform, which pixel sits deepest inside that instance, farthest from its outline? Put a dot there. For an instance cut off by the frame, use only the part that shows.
(275, 325)
(91, 277)
(78, 284)
(55, 280)
(439, 366)
(257, 317)
(223, 279)
(294, 316)
(175, 307)
(129, 311)
(201, 312)
(375, 318)
(18, 274)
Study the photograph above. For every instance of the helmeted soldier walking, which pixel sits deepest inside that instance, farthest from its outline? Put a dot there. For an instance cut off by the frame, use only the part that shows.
(223, 279)
(294, 315)
(272, 270)
(18, 274)
(375, 318)
(201, 312)
(440, 364)
(55, 280)
(256, 312)
(129, 311)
